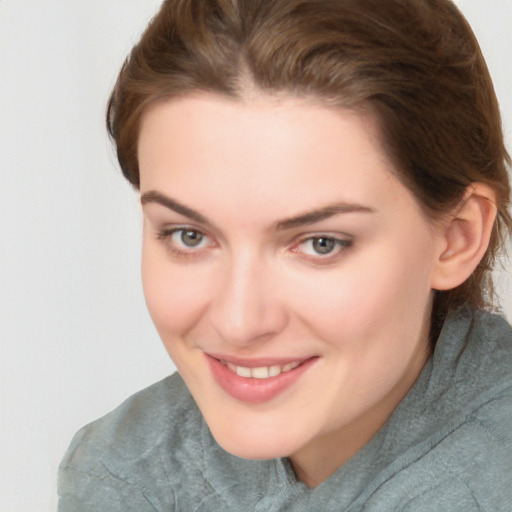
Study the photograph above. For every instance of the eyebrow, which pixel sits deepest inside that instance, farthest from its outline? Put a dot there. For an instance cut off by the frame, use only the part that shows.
(156, 197)
(303, 219)
(317, 215)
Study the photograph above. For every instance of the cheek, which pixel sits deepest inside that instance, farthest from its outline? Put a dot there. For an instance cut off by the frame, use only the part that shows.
(175, 295)
(383, 293)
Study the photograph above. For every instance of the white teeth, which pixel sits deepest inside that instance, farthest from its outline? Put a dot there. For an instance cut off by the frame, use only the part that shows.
(274, 371)
(243, 372)
(262, 372)
(290, 366)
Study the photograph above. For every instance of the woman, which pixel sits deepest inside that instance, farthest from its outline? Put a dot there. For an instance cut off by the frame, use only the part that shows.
(324, 190)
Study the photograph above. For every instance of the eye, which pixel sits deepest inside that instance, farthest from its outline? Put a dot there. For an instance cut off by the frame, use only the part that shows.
(322, 248)
(188, 237)
(185, 241)
(322, 245)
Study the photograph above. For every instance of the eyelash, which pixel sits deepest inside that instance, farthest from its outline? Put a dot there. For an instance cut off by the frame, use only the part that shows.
(341, 245)
(165, 236)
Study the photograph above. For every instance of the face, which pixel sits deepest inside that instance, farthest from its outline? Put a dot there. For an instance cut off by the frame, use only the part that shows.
(286, 268)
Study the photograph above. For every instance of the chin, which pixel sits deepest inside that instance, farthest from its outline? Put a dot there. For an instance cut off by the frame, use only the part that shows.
(251, 450)
(248, 444)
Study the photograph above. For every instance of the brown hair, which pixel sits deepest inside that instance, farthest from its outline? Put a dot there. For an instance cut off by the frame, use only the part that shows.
(415, 63)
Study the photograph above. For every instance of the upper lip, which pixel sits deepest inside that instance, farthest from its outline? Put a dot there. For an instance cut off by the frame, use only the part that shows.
(259, 361)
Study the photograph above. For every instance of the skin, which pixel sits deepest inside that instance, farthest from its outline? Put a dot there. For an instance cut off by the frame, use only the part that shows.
(256, 286)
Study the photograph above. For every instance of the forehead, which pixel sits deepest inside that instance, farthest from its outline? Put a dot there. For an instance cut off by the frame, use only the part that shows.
(284, 152)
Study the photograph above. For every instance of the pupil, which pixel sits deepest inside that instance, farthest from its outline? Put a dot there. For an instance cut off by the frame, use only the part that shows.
(191, 238)
(323, 245)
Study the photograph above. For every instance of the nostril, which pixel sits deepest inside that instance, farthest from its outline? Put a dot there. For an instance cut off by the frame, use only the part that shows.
(245, 308)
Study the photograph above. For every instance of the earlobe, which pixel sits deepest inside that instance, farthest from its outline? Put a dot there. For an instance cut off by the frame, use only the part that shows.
(466, 234)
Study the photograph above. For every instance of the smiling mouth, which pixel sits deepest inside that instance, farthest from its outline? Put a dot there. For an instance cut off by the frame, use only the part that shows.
(255, 381)
(261, 372)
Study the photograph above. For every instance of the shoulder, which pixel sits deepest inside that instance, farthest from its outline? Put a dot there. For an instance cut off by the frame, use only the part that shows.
(478, 452)
(150, 418)
(476, 359)
(456, 420)
(472, 363)
(155, 452)
(468, 467)
(127, 452)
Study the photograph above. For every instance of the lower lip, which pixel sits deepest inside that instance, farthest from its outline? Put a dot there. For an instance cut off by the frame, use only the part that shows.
(251, 390)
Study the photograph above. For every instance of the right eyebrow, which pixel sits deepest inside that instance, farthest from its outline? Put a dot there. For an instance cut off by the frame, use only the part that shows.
(156, 197)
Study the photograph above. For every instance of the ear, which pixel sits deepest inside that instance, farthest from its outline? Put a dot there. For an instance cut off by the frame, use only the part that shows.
(465, 237)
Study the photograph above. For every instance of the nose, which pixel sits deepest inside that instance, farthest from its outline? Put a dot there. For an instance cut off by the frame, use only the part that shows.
(246, 306)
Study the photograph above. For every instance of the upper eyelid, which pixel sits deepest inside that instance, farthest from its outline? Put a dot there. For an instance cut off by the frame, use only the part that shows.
(181, 227)
(208, 231)
(172, 230)
(342, 237)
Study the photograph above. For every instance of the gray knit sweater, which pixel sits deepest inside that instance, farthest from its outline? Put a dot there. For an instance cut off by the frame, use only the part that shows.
(447, 447)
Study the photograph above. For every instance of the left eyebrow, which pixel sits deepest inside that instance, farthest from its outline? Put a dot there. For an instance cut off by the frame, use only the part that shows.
(313, 216)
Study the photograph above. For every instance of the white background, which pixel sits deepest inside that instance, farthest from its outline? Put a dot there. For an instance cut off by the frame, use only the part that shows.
(75, 336)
